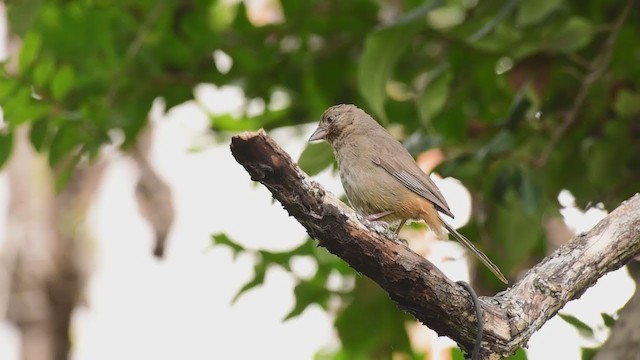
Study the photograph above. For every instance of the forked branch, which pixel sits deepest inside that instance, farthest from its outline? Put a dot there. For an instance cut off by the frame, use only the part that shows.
(415, 284)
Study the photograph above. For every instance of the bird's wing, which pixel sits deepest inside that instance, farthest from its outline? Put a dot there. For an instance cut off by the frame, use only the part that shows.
(413, 178)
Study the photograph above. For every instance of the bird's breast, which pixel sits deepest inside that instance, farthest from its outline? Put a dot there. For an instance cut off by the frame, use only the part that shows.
(371, 190)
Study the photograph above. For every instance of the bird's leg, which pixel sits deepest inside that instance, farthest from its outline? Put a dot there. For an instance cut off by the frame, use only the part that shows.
(397, 232)
(400, 226)
(374, 217)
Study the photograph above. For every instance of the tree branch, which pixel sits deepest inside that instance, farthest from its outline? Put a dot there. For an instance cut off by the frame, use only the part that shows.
(416, 285)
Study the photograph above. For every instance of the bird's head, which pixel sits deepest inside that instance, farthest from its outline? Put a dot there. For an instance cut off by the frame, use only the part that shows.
(339, 120)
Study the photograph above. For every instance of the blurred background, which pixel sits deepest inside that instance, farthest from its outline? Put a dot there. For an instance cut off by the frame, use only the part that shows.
(130, 232)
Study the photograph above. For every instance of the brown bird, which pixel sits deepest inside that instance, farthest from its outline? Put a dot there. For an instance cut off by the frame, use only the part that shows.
(381, 178)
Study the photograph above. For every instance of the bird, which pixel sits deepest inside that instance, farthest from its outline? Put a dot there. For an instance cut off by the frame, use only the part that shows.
(381, 179)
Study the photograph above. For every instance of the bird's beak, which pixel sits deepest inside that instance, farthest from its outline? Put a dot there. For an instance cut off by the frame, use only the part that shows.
(319, 134)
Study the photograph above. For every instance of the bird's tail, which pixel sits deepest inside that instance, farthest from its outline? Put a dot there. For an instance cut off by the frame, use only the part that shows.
(485, 260)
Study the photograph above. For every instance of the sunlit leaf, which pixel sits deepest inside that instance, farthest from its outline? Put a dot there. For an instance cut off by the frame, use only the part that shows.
(457, 354)
(519, 355)
(627, 103)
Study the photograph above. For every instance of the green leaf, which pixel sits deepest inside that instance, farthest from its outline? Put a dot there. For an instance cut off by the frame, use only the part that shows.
(67, 138)
(434, 95)
(259, 271)
(39, 134)
(532, 11)
(223, 239)
(222, 14)
(383, 329)
(457, 354)
(608, 320)
(43, 71)
(627, 103)
(7, 87)
(519, 355)
(583, 329)
(574, 35)
(515, 232)
(62, 82)
(277, 258)
(589, 353)
(6, 146)
(29, 52)
(20, 107)
(310, 292)
(315, 158)
(382, 49)
(64, 175)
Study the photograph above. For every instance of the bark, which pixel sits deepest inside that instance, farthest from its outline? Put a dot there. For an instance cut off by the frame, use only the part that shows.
(416, 285)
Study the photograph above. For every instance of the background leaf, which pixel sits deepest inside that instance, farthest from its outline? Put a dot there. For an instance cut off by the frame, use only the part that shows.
(381, 52)
(316, 157)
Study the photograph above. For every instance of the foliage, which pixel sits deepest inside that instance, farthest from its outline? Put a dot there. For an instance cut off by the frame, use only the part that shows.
(588, 332)
(526, 98)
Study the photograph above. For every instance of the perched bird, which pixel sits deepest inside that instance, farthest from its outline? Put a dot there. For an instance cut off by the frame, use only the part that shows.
(381, 178)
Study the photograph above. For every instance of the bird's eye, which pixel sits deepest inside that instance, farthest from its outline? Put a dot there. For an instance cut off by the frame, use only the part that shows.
(330, 118)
